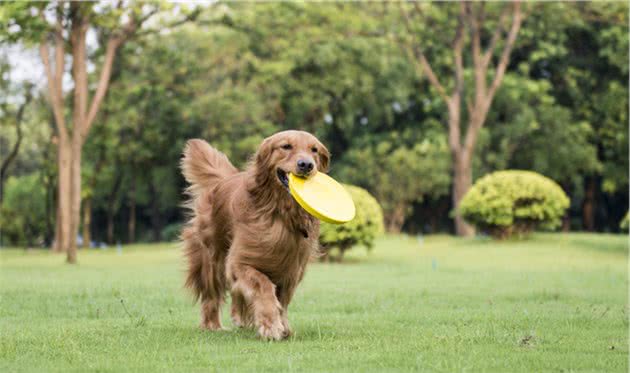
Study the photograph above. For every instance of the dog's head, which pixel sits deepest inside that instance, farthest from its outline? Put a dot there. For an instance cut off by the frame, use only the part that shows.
(296, 152)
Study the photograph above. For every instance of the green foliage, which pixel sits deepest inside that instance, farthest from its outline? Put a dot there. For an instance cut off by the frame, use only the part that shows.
(362, 230)
(399, 175)
(527, 124)
(588, 74)
(171, 232)
(625, 223)
(23, 211)
(508, 202)
(243, 71)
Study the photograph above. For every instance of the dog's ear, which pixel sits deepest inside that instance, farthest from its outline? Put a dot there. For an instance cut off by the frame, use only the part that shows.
(324, 158)
(263, 155)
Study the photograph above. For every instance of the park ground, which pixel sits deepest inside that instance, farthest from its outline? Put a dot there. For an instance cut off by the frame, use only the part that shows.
(556, 302)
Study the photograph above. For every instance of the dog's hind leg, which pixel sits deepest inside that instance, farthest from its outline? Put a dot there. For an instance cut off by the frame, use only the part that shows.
(240, 310)
(205, 278)
(211, 314)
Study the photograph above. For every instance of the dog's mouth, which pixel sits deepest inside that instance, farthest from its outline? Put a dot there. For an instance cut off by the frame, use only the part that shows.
(283, 177)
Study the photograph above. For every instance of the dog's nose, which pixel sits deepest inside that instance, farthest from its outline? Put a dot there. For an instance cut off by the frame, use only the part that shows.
(305, 165)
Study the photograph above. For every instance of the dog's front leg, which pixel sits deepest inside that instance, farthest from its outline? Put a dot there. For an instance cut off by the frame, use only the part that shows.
(260, 293)
(285, 294)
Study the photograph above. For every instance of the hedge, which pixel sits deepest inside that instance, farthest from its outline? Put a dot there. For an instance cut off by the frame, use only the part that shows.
(361, 231)
(511, 202)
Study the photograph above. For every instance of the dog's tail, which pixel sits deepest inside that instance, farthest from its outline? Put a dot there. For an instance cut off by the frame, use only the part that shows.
(203, 166)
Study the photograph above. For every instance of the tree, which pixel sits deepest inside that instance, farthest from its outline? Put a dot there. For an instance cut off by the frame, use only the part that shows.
(471, 17)
(526, 125)
(63, 26)
(594, 59)
(23, 213)
(12, 115)
(578, 50)
(399, 175)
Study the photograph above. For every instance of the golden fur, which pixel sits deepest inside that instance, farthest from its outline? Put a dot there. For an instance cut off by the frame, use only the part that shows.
(247, 234)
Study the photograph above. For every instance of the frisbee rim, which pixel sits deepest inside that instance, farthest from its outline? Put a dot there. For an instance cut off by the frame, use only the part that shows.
(311, 210)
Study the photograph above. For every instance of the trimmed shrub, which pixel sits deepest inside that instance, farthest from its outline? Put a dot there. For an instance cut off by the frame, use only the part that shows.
(511, 202)
(362, 230)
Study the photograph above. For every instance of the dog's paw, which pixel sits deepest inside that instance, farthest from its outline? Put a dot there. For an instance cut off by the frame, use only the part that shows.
(212, 326)
(236, 321)
(273, 331)
(286, 332)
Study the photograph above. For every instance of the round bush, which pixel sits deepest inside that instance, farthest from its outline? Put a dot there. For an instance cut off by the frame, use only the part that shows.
(362, 230)
(514, 202)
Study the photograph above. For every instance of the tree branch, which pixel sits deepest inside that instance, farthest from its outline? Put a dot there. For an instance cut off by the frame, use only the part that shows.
(115, 41)
(458, 45)
(481, 107)
(192, 16)
(60, 53)
(55, 80)
(468, 107)
(495, 38)
(426, 66)
(509, 45)
(16, 147)
(103, 82)
(475, 32)
(475, 26)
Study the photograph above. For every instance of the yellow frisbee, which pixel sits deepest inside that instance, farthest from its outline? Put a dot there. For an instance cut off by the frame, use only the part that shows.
(323, 197)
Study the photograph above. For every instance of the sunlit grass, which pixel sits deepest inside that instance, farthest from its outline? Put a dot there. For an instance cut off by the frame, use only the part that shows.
(553, 303)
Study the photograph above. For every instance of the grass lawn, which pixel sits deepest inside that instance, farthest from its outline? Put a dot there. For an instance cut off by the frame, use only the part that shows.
(553, 303)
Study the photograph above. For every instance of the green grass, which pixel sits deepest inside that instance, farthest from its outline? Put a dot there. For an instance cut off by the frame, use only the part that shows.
(553, 303)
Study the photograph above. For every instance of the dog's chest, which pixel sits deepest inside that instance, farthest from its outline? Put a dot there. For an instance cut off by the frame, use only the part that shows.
(285, 252)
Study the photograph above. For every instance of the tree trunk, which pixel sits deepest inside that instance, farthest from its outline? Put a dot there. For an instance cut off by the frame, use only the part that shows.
(395, 219)
(588, 206)
(111, 208)
(87, 220)
(462, 181)
(75, 199)
(62, 231)
(566, 223)
(131, 228)
(156, 220)
(50, 203)
(342, 251)
(110, 227)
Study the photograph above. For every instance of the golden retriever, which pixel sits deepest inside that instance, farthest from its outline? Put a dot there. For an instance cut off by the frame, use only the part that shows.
(247, 234)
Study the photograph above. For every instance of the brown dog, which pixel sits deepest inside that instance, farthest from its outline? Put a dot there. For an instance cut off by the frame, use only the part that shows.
(247, 234)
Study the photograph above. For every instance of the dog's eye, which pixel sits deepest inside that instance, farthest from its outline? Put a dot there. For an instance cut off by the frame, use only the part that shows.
(287, 147)
(314, 149)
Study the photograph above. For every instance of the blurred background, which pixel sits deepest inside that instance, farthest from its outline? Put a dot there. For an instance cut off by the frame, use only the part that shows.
(415, 101)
